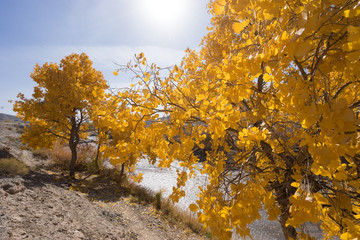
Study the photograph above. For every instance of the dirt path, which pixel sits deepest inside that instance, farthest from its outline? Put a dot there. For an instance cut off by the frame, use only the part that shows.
(46, 205)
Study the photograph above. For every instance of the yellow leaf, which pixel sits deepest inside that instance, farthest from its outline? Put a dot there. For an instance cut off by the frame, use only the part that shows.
(201, 97)
(347, 13)
(115, 73)
(202, 218)
(303, 49)
(284, 36)
(268, 16)
(295, 184)
(239, 26)
(218, 8)
(137, 178)
(346, 236)
(238, 6)
(268, 69)
(267, 77)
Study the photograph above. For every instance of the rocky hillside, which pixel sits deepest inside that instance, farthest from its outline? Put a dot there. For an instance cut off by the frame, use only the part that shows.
(4, 117)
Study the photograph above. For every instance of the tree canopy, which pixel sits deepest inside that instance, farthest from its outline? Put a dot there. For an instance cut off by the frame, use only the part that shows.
(62, 103)
(272, 97)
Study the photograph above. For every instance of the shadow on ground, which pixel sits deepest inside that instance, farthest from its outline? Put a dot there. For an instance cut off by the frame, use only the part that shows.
(96, 187)
(100, 188)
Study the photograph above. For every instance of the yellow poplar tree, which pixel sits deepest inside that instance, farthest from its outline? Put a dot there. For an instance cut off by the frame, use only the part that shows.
(124, 123)
(62, 103)
(119, 127)
(273, 99)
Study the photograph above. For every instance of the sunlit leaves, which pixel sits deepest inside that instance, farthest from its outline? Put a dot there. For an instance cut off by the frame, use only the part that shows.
(219, 6)
(272, 102)
(239, 26)
(63, 101)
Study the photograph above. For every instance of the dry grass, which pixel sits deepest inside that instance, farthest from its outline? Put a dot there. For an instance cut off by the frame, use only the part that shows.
(41, 153)
(183, 217)
(115, 175)
(12, 166)
(12, 139)
(166, 209)
(19, 128)
(61, 156)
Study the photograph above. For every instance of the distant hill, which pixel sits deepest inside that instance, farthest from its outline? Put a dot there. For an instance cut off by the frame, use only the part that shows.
(4, 117)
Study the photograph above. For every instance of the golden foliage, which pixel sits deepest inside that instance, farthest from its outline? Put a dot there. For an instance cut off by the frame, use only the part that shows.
(63, 102)
(273, 99)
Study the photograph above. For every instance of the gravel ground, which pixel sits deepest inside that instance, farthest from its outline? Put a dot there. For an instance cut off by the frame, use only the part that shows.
(45, 204)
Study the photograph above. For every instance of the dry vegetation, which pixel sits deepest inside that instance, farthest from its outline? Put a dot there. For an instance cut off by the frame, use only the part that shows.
(12, 166)
(61, 156)
(9, 165)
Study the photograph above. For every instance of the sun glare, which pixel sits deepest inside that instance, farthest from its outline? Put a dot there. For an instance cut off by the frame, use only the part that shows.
(165, 12)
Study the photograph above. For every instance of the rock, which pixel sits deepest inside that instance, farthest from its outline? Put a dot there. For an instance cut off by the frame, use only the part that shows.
(5, 152)
(17, 219)
(13, 185)
(79, 234)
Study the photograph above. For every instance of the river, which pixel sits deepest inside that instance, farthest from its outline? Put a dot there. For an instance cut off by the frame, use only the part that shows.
(159, 179)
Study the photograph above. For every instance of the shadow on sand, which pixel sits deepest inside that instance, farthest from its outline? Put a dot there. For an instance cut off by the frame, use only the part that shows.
(96, 187)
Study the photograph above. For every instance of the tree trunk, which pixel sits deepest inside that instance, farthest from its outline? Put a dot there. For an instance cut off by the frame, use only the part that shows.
(73, 159)
(73, 143)
(289, 231)
(283, 192)
(122, 173)
(97, 160)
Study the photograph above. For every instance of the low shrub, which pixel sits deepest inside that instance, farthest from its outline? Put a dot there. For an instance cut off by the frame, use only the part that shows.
(61, 156)
(183, 217)
(20, 128)
(140, 194)
(166, 208)
(158, 198)
(12, 166)
(41, 153)
(115, 175)
(12, 139)
(5, 152)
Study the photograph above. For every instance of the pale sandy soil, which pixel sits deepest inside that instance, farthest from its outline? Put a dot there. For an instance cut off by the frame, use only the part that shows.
(45, 204)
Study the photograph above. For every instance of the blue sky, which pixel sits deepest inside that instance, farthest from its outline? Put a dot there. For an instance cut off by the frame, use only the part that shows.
(39, 31)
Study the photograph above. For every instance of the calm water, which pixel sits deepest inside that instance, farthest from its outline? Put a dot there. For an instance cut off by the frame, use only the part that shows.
(158, 179)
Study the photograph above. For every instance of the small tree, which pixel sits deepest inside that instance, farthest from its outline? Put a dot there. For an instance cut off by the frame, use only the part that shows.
(121, 131)
(62, 103)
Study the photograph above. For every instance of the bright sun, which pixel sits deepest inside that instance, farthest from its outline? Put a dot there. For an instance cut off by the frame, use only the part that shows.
(165, 12)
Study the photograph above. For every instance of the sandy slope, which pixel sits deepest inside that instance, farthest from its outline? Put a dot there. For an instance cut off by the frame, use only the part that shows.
(46, 205)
